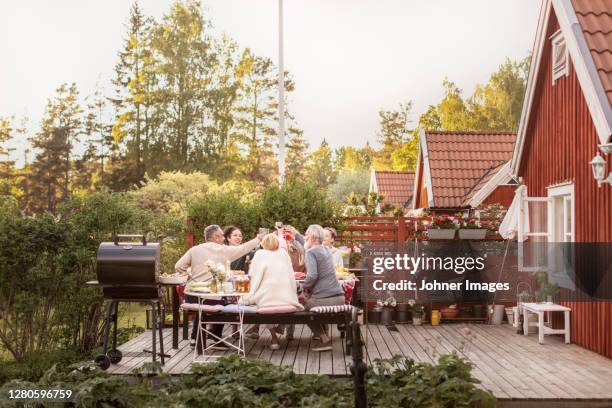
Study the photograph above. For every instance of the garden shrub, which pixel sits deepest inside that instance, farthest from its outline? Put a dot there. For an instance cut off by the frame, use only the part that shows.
(298, 204)
(44, 264)
(225, 208)
(233, 382)
(34, 366)
(402, 382)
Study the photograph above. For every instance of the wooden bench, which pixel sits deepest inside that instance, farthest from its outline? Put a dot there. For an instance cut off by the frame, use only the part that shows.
(342, 319)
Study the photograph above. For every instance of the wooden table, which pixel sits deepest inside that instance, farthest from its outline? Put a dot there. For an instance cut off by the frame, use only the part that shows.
(539, 309)
(175, 314)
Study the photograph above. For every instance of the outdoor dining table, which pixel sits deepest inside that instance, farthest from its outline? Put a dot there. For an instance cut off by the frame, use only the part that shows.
(202, 326)
(175, 313)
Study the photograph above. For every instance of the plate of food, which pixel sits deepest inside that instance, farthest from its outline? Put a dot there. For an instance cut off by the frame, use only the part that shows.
(202, 287)
(173, 278)
(344, 274)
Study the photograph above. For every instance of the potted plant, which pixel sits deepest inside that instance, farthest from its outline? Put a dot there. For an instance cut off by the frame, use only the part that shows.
(402, 313)
(471, 229)
(387, 308)
(417, 310)
(442, 228)
(546, 290)
(374, 314)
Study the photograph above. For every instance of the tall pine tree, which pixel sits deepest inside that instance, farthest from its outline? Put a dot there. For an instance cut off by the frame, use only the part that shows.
(61, 127)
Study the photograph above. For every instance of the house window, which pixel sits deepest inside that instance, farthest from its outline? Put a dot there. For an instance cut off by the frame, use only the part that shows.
(561, 259)
(561, 213)
(546, 227)
(559, 56)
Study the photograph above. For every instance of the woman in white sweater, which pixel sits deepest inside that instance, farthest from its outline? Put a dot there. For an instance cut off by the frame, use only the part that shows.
(272, 281)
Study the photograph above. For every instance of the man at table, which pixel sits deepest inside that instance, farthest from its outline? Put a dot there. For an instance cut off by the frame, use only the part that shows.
(325, 290)
(213, 249)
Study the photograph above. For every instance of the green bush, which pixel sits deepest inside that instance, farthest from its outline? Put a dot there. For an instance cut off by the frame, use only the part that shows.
(33, 367)
(224, 208)
(44, 264)
(235, 382)
(402, 382)
(298, 204)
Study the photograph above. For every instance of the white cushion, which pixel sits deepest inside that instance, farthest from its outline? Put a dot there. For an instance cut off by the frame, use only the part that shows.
(233, 308)
(332, 309)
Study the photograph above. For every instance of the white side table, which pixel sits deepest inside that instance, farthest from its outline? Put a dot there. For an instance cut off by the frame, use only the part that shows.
(202, 330)
(539, 309)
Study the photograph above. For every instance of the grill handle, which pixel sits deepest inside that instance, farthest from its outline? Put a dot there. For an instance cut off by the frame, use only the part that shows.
(141, 236)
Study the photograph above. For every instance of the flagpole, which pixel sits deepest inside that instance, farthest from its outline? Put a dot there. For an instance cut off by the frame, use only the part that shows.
(281, 98)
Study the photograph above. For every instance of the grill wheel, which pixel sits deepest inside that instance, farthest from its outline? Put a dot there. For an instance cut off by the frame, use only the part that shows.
(102, 361)
(115, 356)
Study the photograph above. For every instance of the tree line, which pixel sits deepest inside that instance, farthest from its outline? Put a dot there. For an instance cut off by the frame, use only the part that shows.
(183, 99)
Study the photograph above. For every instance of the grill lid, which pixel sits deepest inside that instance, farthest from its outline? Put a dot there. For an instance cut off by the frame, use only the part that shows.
(128, 263)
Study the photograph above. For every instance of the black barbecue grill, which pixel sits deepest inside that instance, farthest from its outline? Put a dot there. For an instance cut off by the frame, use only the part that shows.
(129, 272)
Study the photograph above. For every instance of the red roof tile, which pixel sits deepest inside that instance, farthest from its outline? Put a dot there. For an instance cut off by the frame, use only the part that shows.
(595, 19)
(458, 161)
(396, 186)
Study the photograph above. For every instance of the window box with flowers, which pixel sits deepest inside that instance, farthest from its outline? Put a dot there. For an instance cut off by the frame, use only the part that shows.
(442, 228)
(471, 229)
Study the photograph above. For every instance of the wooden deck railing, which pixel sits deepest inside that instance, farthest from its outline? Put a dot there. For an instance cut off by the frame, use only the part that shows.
(396, 229)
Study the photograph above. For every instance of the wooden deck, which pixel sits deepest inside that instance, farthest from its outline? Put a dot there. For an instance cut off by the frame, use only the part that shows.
(509, 365)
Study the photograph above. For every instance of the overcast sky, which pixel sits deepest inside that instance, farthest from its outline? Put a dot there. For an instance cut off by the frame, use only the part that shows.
(349, 58)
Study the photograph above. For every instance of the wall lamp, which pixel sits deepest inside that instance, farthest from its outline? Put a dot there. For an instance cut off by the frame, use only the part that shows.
(598, 165)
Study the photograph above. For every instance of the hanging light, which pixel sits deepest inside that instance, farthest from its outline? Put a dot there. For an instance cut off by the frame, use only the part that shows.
(598, 165)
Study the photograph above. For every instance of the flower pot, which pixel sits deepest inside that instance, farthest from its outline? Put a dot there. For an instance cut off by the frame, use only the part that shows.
(417, 320)
(374, 316)
(402, 313)
(386, 316)
(441, 233)
(479, 311)
(470, 233)
(510, 316)
(496, 313)
(465, 311)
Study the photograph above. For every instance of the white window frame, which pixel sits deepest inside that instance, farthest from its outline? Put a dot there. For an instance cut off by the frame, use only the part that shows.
(558, 70)
(523, 235)
(559, 272)
(566, 191)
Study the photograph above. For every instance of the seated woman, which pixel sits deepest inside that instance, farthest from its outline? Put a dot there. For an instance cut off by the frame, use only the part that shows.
(272, 281)
(233, 237)
(328, 242)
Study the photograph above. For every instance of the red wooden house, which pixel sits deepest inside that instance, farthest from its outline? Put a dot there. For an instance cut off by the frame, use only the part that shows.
(566, 121)
(458, 171)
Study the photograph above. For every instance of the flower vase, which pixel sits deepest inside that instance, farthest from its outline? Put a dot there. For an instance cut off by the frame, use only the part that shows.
(214, 286)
